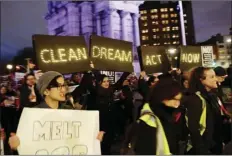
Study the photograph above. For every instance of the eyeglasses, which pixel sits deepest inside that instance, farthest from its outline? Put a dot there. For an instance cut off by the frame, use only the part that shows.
(60, 86)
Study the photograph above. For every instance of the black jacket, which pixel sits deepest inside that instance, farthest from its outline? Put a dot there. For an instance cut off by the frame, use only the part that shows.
(24, 97)
(213, 135)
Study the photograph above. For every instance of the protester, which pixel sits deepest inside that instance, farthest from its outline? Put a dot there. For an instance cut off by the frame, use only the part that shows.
(3, 92)
(203, 113)
(52, 87)
(158, 130)
(75, 79)
(29, 95)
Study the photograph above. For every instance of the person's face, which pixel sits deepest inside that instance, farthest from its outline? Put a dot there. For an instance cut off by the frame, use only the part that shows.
(3, 90)
(155, 81)
(174, 102)
(77, 78)
(186, 84)
(105, 83)
(30, 80)
(220, 79)
(58, 92)
(210, 81)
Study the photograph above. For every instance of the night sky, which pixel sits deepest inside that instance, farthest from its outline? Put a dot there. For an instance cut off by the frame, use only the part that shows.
(19, 20)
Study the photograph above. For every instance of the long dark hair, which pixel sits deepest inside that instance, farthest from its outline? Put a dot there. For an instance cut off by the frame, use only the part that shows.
(195, 84)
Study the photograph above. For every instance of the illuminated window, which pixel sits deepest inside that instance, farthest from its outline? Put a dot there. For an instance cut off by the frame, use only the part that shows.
(166, 35)
(164, 16)
(154, 16)
(173, 15)
(163, 9)
(165, 22)
(175, 36)
(144, 38)
(156, 37)
(175, 28)
(145, 44)
(171, 9)
(185, 21)
(145, 31)
(143, 18)
(174, 21)
(145, 24)
(143, 12)
(166, 29)
(154, 11)
(155, 29)
(174, 42)
(155, 22)
(184, 15)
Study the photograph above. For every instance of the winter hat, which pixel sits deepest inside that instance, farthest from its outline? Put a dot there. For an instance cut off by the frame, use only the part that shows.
(220, 71)
(45, 80)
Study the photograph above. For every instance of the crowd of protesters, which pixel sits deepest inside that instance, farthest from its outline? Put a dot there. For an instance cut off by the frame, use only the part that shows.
(171, 113)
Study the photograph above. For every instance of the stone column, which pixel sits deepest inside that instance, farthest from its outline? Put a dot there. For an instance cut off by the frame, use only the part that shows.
(86, 20)
(111, 12)
(124, 16)
(73, 22)
(98, 22)
(136, 29)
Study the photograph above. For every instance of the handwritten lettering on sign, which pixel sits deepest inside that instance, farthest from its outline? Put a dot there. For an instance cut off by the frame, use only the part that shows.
(190, 58)
(55, 132)
(111, 54)
(152, 60)
(48, 55)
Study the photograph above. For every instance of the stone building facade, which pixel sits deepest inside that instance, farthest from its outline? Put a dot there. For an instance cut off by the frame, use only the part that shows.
(113, 19)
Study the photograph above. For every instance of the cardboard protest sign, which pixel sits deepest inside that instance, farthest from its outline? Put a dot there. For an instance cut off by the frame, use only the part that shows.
(19, 76)
(195, 56)
(207, 56)
(153, 59)
(110, 75)
(58, 132)
(65, 54)
(110, 54)
(72, 88)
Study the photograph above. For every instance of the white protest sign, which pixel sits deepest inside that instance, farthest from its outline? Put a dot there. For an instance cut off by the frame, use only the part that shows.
(19, 76)
(58, 132)
(207, 56)
(72, 88)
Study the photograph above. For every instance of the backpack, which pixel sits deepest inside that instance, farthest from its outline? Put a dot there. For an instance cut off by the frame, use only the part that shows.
(129, 142)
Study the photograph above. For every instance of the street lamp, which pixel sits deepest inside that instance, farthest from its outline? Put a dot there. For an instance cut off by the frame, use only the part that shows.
(228, 40)
(172, 50)
(9, 66)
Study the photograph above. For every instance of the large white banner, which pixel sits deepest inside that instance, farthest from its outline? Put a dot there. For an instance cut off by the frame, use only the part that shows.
(58, 132)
